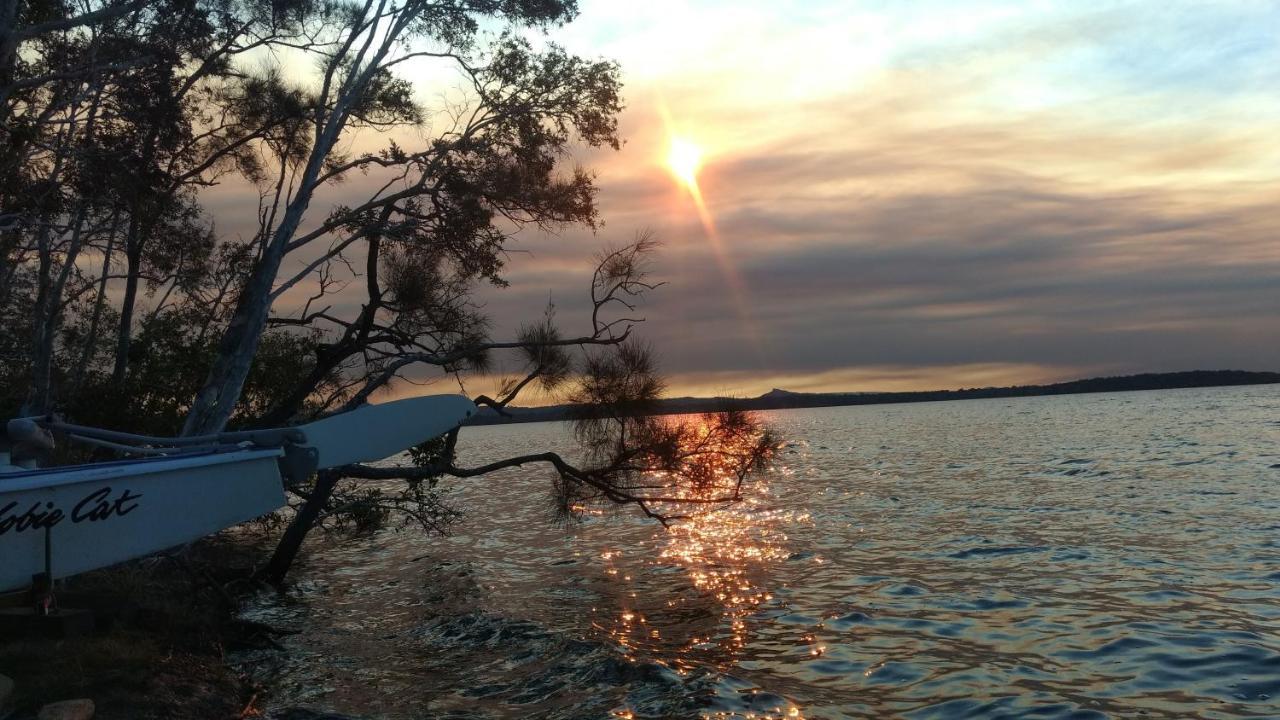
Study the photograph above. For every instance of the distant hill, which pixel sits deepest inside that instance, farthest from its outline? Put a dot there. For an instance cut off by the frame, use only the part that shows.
(777, 399)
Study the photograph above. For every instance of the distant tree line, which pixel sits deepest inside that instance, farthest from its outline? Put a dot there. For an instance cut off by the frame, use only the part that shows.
(783, 400)
(123, 303)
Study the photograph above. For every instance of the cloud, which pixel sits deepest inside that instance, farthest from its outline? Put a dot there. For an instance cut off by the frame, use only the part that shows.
(909, 224)
(933, 194)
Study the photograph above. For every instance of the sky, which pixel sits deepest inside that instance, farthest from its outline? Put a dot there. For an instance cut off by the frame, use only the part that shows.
(912, 195)
(935, 194)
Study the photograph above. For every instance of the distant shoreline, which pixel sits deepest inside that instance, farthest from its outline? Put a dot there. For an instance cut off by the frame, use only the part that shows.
(786, 400)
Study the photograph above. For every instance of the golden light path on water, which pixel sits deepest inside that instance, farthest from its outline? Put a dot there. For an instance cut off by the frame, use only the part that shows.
(726, 555)
(1105, 555)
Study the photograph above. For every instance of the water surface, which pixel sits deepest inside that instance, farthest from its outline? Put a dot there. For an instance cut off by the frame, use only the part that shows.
(1080, 556)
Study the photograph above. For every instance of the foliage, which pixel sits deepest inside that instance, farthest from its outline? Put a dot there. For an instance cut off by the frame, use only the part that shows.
(123, 304)
(364, 507)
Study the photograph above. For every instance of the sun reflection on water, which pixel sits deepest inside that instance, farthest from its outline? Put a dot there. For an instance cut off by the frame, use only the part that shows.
(726, 555)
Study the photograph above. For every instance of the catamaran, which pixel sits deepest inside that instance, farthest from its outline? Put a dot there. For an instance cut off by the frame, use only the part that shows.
(62, 521)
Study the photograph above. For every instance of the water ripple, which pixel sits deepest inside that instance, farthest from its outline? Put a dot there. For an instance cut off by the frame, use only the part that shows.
(1074, 557)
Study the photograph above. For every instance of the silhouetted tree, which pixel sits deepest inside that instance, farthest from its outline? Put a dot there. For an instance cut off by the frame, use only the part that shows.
(123, 305)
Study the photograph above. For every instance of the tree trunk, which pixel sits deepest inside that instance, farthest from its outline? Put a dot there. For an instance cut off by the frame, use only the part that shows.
(124, 333)
(99, 303)
(291, 542)
(41, 364)
(48, 320)
(330, 357)
(222, 387)
(8, 265)
(217, 398)
(8, 53)
(50, 304)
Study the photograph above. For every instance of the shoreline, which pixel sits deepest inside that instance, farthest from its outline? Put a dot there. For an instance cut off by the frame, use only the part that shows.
(784, 400)
(164, 626)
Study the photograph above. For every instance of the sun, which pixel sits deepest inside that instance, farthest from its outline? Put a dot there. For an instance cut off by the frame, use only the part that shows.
(684, 158)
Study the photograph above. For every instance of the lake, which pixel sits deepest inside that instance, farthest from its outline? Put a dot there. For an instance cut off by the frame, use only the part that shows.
(1085, 556)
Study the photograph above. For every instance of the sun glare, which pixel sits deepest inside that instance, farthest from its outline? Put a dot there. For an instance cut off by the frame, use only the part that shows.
(684, 158)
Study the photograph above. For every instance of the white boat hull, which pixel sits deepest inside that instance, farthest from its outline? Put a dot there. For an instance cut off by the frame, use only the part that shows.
(93, 516)
(99, 515)
(375, 432)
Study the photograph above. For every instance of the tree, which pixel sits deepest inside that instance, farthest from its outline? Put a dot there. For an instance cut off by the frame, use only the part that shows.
(661, 466)
(117, 118)
(439, 210)
(112, 118)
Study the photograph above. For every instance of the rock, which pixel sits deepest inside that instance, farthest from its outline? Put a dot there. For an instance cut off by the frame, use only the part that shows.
(81, 709)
